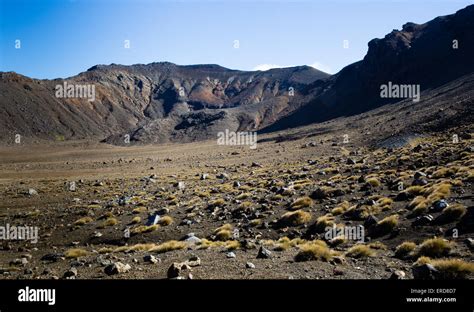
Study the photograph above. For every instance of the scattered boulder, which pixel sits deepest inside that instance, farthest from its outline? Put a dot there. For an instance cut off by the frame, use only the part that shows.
(425, 272)
(423, 220)
(264, 253)
(397, 275)
(31, 192)
(439, 205)
(70, 274)
(151, 259)
(250, 265)
(117, 268)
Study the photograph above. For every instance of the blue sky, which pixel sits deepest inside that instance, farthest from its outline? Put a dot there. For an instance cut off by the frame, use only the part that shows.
(60, 38)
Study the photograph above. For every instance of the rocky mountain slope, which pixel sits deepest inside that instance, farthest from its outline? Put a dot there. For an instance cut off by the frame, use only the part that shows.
(164, 102)
(157, 102)
(430, 55)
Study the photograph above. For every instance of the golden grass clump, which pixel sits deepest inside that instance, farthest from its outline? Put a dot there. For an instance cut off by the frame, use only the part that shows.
(285, 243)
(83, 221)
(169, 246)
(144, 229)
(315, 250)
(415, 190)
(136, 220)
(438, 191)
(387, 224)
(435, 248)
(449, 268)
(295, 218)
(76, 253)
(405, 250)
(385, 203)
(165, 220)
(218, 202)
(341, 208)
(224, 233)
(453, 212)
(377, 245)
(110, 221)
(374, 182)
(302, 202)
(243, 196)
(228, 245)
(139, 210)
(360, 251)
(323, 222)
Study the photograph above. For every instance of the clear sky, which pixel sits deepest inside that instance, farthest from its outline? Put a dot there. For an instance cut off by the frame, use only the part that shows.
(60, 38)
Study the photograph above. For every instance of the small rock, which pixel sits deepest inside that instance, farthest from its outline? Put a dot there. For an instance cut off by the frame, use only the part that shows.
(370, 221)
(423, 220)
(32, 192)
(425, 272)
(180, 186)
(204, 176)
(250, 265)
(397, 275)
(419, 175)
(231, 255)
(470, 243)
(263, 253)
(150, 259)
(53, 257)
(117, 268)
(71, 273)
(223, 176)
(176, 269)
(439, 205)
(153, 219)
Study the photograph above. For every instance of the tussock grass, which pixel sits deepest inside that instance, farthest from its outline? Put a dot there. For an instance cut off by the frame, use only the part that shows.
(169, 246)
(295, 218)
(285, 243)
(449, 268)
(453, 212)
(385, 203)
(224, 233)
(139, 210)
(165, 220)
(83, 221)
(360, 251)
(302, 202)
(323, 222)
(136, 220)
(377, 245)
(217, 203)
(110, 221)
(76, 253)
(144, 229)
(340, 209)
(435, 248)
(386, 225)
(415, 190)
(315, 250)
(374, 182)
(228, 245)
(243, 196)
(405, 249)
